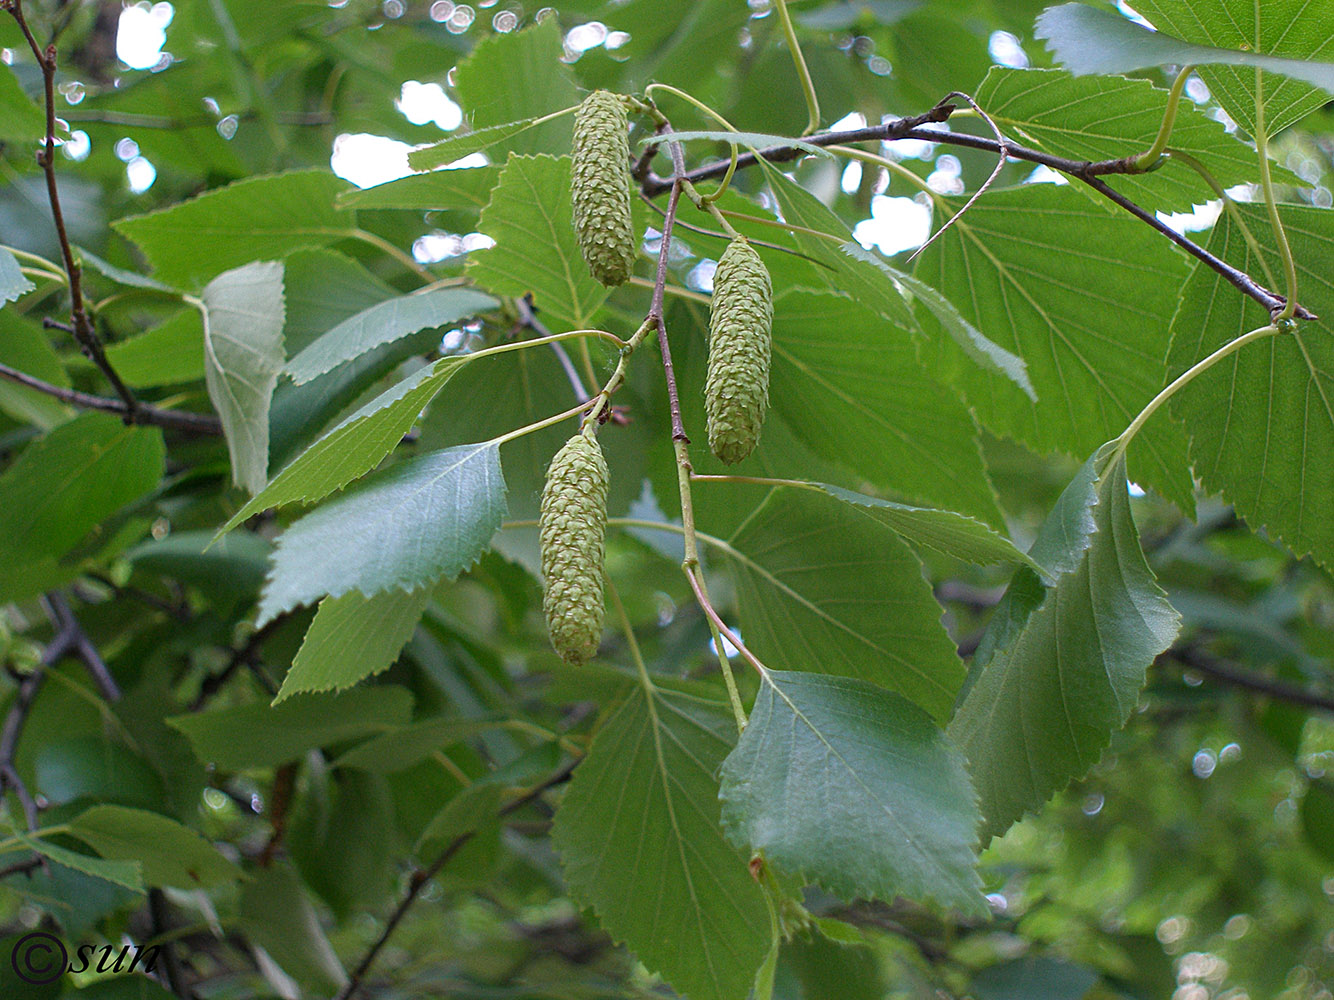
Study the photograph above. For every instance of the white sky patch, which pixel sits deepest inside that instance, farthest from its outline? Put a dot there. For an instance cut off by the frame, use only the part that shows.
(1203, 217)
(1134, 489)
(1131, 13)
(895, 225)
(140, 174)
(434, 247)
(729, 648)
(366, 159)
(700, 277)
(1043, 174)
(586, 36)
(141, 33)
(853, 119)
(852, 177)
(77, 146)
(427, 102)
(1005, 49)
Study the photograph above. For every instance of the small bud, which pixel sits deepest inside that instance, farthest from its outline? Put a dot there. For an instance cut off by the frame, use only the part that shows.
(600, 187)
(736, 392)
(572, 528)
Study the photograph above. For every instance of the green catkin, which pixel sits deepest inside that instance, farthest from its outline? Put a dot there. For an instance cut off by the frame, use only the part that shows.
(600, 187)
(736, 392)
(572, 529)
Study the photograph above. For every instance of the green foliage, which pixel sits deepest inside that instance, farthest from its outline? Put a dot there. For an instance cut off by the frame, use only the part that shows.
(854, 788)
(904, 703)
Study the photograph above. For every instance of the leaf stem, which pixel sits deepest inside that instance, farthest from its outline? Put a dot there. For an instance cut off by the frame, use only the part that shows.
(803, 71)
(538, 425)
(1229, 206)
(404, 258)
(731, 166)
(1271, 204)
(1153, 156)
(1184, 379)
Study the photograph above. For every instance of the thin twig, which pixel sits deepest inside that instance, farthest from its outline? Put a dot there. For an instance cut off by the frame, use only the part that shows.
(142, 413)
(243, 656)
(885, 132)
(58, 610)
(13, 728)
(1194, 658)
(528, 318)
(46, 158)
(1088, 171)
(171, 969)
(996, 172)
(421, 878)
(655, 312)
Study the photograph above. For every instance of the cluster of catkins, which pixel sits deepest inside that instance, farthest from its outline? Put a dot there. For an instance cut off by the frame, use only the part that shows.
(736, 392)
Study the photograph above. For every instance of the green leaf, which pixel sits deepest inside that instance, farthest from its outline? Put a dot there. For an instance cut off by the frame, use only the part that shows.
(987, 354)
(1261, 421)
(440, 190)
(128, 874)
(408, 525)
(227, 573)
(456, 147)
(355, 446)
(529, 217)
(512, 76)
(823, 586)
(276, 915)
(13, 283)
(257, 735)
(121, 276)
(403, 748)
(945, 531)
(1095, 40)
(65, 483)
(386, 322)
(1083, 297)
(168, 354)
(851, 388)
(1033, 977)
(243, 354)
(352, 638)
(1061, 668)
(171, 854)
(848, 785)
(1068, 116)
(750, 140)
(21, 121)
(261, 217)
(26, 347)
(864, 281)
(639, 839)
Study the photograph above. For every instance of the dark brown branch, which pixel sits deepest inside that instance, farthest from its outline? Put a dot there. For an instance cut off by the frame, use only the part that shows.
(46, 159)
(245, 655)
(1194, 658)
(25, 867)
(80, 646)
(1088, 171)
(171, 969)
(886, 132)
(421, 878)
(13, 728)
(142, 413)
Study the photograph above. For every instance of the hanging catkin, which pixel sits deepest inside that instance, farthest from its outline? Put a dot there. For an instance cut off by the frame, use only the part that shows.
(600, 187)
(572, 529)
(736, 392)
